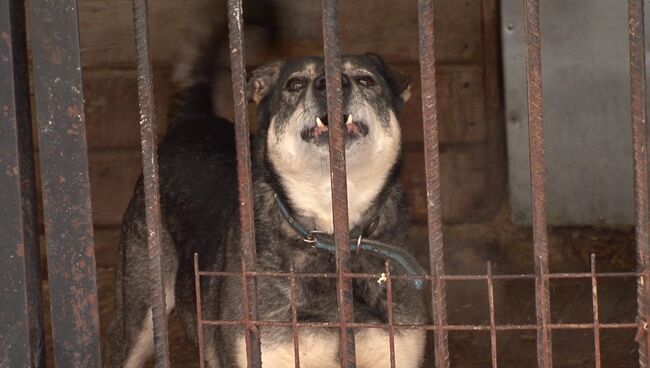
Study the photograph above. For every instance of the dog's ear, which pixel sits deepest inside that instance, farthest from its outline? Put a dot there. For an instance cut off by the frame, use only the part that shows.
(262, 80)
(398, 82)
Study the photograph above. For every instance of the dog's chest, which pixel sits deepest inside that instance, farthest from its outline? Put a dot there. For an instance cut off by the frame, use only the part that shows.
(320, 349)
(313, 198)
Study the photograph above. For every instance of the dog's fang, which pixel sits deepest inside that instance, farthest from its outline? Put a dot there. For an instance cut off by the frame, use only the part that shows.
(319, 123)
(349, 120)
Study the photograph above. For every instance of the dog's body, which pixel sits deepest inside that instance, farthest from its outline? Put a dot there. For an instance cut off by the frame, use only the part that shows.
(199, 202)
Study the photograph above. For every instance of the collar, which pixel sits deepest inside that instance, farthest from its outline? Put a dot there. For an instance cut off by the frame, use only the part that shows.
(320, 240)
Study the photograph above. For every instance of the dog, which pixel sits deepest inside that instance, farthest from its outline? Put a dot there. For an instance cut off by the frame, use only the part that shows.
(290, 166)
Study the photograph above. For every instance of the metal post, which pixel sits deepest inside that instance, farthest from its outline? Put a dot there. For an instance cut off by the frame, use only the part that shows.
(339, 180)
(244, 176)
(20, 263)
(538, 180)
(151, 182)
(54, 31)
(432, 168)
(640, 146)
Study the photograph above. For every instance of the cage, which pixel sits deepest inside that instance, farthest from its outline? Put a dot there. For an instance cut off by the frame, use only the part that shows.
(500, 293)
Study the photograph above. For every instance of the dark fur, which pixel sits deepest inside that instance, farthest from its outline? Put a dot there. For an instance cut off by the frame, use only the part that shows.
(198, 192)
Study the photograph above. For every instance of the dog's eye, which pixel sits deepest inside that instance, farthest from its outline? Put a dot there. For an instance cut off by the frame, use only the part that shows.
(366, 81)
(296, 84)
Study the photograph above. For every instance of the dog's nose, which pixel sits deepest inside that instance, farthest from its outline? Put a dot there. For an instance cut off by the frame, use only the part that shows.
(321, 83)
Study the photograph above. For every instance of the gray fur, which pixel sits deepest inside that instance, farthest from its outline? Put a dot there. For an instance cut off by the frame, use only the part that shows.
(199, 204)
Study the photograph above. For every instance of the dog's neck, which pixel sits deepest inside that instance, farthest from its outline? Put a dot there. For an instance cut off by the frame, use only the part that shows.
(308, 193)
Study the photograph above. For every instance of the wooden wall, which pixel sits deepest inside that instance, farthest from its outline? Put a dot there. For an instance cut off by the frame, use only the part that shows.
(471, 142)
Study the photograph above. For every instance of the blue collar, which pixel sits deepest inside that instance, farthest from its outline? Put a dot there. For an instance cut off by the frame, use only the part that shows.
(319, 240)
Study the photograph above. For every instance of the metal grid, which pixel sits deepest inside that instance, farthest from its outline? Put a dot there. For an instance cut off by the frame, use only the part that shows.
(66, 196)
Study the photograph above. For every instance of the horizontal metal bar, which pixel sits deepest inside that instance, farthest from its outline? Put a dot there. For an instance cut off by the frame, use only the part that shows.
(54, 30)
(386, 326)
(423, 277)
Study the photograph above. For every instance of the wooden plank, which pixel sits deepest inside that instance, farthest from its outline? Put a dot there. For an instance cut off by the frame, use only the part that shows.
(461, 107)
(112, 107)
(113, 175)
(387, 27)
(365, 26)
(464, 170)
(112, 178)
(464, 183)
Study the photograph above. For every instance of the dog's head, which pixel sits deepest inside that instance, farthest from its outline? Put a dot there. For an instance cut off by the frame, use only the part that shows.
(292, 110)
(293, 107)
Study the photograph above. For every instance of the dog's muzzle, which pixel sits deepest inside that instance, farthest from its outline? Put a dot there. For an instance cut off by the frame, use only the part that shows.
(319, 131)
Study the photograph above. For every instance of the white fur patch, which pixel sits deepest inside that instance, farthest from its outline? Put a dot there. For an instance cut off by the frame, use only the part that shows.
(373, 348)
(143, 347)
(319, 349)
(304, 169)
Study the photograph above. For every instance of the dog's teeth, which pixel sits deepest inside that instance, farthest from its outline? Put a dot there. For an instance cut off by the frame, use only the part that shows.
(349, 120)
(319, 122)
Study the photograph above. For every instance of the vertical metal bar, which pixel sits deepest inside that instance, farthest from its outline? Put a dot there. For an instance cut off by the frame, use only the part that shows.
(538, 179)
(244, 176)
(151, 182)
(432, 168)
(199, 311)
(389, 313)
(493, 328)
(20, 273)
(294, 320)
(640, 154)
(338, 177)
(54, 31)
(594, 303)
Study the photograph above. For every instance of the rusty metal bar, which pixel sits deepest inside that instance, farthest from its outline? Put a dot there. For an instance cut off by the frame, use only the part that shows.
(244, 176)
(384, 326)
(22, 340)
(640, 146)
(580, 275)
(493, 326)
(54, 31)
(151, 182)
(389, 314)
(432, 168)
(339, 180)
(538, 179)
(596, 318)
(199, 311)
(294, 320)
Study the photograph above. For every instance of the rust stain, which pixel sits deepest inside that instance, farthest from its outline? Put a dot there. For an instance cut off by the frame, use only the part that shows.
(56, 57)
(73, 111)
(20, 250)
